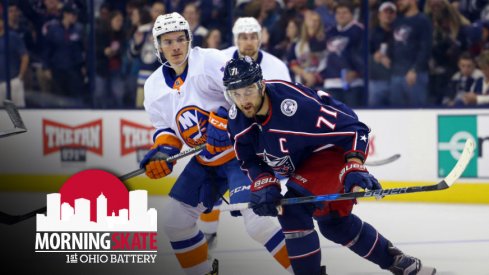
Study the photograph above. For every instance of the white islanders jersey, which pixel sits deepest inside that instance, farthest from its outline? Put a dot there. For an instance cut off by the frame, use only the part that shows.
(271, 66)
(183, 112)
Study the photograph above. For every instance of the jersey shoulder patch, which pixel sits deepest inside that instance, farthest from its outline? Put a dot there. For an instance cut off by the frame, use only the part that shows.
(233, 112)
(288, 107)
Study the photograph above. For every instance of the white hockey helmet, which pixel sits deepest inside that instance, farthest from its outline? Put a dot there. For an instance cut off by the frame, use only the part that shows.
(246, 25)
(170, 22)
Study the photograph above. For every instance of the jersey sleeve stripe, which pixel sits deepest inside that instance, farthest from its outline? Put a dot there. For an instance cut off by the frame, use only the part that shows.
(166, 131)
(311, 134)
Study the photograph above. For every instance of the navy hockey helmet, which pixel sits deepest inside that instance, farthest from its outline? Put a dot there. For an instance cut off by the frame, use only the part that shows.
(242, 72)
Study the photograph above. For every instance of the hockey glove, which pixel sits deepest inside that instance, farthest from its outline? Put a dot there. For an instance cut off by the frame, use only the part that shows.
(217, 135)
(265, 195)
(356, 174)
(154, 163)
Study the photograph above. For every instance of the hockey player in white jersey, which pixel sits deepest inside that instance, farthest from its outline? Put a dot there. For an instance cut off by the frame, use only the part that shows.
(247, 41)
(185, 101)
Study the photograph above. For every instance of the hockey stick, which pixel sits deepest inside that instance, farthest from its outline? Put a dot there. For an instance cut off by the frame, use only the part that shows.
(170, 159)
(13, 219)
(383, 161)
(14, 115)
(448, 181)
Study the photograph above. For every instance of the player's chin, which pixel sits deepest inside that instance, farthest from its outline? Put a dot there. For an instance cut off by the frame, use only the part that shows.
(247, 112)
(177, 59)
(249, 53)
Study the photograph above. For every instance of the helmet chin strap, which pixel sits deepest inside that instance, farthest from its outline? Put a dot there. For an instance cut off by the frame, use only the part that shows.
(262, 91)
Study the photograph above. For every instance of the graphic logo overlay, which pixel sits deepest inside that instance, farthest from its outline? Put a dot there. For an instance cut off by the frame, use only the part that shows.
(453, 131)
(135, 138)
(94, 219)
(72, 141)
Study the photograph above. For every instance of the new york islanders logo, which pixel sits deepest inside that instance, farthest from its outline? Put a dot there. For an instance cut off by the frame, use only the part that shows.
(282, 165)
(192, 123)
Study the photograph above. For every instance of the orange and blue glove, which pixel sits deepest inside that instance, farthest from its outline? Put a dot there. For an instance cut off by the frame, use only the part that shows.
(217, 136)
(154, 161)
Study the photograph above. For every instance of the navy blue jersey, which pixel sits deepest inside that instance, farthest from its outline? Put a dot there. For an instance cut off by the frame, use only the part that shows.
(345, 49)
(411, 47)
(300, 122)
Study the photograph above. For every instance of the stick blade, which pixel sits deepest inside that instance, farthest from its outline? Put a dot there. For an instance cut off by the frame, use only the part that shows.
(461, 164)
(11, 132)
(14, 114)
(383, 161)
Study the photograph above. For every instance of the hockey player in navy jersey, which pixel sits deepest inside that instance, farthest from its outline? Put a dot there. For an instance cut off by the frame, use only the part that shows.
(247, 40)
(319, 143)
(184, 99)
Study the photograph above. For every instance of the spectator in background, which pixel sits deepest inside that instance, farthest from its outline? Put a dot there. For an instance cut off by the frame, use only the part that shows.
(462, 81)
(306, 58)
(213, 39)
(157, 8)
(141, 48)
(129, 24)
(292, 34)
(19, 61)
(447, 45)
(103, 15)
(192, 14)
(380, 73)
(17, 23)
(471, 9)
(109, 82)
(130, 63)
(40, 18)
(479, 95)
(325, 9)
(293, 10)
(267, 12)
(409, 54)
(477, 37)
(343, 75)
(64, 55)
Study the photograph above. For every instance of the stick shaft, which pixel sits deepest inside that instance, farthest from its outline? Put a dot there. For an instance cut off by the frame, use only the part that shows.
(450, 179)
(13, 219)
(175, 157)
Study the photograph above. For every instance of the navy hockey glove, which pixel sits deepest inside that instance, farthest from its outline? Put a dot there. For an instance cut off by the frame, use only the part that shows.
(265, 195)
(154, 163)
(356, 174)
(217, 135)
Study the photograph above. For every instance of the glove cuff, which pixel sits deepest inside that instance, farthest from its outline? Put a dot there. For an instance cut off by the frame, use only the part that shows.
(167, 139)
(351, 167)
(263, 181)
(218, 122)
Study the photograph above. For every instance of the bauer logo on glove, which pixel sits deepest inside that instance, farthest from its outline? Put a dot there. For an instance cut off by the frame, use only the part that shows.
(262, 182)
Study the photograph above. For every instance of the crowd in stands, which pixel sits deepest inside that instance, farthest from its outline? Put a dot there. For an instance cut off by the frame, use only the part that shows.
(420, 53)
